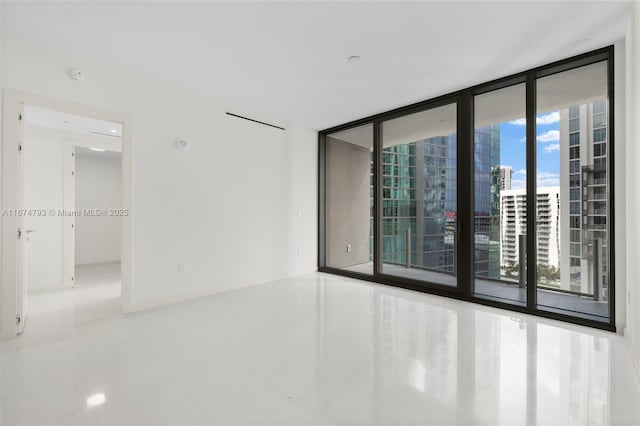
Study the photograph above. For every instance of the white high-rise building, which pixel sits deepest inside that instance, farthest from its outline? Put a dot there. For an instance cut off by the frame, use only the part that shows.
(513, 223)
(583, 179)
(505, 177)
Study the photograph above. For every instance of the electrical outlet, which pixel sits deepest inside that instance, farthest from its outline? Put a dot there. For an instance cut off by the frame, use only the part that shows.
(348, 248)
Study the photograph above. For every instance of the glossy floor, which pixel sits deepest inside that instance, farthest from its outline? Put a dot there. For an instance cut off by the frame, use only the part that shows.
(503, 291)
(313, 350)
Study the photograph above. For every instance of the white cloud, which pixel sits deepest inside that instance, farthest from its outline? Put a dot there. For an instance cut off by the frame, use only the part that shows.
(546, 174)
(544, 179)
(552, 147)
(550, 136)
(552, 117)
(548, 179)
(518, 184)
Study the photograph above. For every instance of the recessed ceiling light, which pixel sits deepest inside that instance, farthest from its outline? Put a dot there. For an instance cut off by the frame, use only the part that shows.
(97, 149)
(96, 399)
(114, 131)
(353, 58)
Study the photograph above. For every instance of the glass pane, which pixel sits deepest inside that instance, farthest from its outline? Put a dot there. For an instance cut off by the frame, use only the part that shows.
(349, 199)
(419, 196)
(500, 161)
(572, 192)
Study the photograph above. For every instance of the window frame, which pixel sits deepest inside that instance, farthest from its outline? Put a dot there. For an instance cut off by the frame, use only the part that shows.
(465, 138)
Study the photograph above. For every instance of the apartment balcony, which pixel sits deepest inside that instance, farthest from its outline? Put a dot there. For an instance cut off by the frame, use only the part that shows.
(550, 296)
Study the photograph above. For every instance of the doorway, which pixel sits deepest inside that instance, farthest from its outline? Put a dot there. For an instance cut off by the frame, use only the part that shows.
(66, 195)
(73, 214)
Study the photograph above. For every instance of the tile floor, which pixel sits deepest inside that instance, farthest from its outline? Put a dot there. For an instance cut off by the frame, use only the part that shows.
(312, 350)
(549, 300)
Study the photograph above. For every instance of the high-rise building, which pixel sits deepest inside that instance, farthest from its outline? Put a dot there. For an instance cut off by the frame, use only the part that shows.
(487, 201)
(424, 171)
(420, 195)
(583, 177)
(514, 223)
(505, 177)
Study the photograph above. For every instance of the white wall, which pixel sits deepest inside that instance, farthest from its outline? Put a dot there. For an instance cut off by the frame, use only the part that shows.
(621, 186)
(238, 208)
(44, 191)
(633, 177)
(98, 186)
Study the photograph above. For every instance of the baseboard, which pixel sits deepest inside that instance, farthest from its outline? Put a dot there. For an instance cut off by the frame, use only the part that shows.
(635, 355)
(57, 287)
(137, 307)
(128, 307)
(105, 262)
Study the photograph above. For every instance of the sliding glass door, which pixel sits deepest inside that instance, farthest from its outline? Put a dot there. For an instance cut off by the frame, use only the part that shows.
(348, 156)
(419, 195)
(500, 193)
(572, 130)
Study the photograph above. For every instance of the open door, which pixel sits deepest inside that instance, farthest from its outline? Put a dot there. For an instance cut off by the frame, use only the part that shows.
(69, 221)
(24, 231)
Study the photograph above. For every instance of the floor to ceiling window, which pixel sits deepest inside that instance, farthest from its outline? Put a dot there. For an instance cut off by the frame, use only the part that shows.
(348, 202)
(419, 187)
(499, 193)
(500, 196)
(572, 192)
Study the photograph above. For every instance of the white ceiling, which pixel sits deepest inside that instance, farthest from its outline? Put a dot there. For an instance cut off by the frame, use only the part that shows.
(88, 152)
(290, 59)
(41, 117)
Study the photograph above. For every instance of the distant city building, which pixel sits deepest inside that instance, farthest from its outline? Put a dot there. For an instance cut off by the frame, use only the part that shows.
(583, 177)
(514, 223)
(487, 201)
(505, 177)
(420, 195)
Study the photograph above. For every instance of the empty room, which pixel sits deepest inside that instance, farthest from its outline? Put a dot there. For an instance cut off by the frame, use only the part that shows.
(319, 213)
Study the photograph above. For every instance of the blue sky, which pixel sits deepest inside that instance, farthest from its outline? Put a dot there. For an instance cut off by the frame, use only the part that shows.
(513, 149)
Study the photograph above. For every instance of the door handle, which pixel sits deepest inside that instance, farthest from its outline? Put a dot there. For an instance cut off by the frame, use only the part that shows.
(28, 231)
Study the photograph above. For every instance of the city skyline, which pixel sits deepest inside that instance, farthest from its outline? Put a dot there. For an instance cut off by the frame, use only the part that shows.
(512, 146)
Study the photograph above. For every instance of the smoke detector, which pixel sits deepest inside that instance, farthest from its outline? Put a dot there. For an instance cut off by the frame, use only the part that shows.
(77, 75)
(182, 145)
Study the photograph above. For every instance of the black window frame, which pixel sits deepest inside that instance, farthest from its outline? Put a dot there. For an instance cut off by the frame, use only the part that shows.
(465, 157)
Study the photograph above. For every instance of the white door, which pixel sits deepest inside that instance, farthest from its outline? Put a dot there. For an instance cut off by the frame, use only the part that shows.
(69, 220)
(23, 226)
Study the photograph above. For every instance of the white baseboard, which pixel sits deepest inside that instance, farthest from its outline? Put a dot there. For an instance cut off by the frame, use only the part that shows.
(136, 307)
(635, 355)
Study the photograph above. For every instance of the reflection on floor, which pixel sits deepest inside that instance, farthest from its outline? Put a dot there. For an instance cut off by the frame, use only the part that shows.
(315, 350)
(548, 300)
(53, 314)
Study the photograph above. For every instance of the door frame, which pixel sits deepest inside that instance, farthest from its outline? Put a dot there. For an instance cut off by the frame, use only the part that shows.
(12, 102)
(69, 145)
